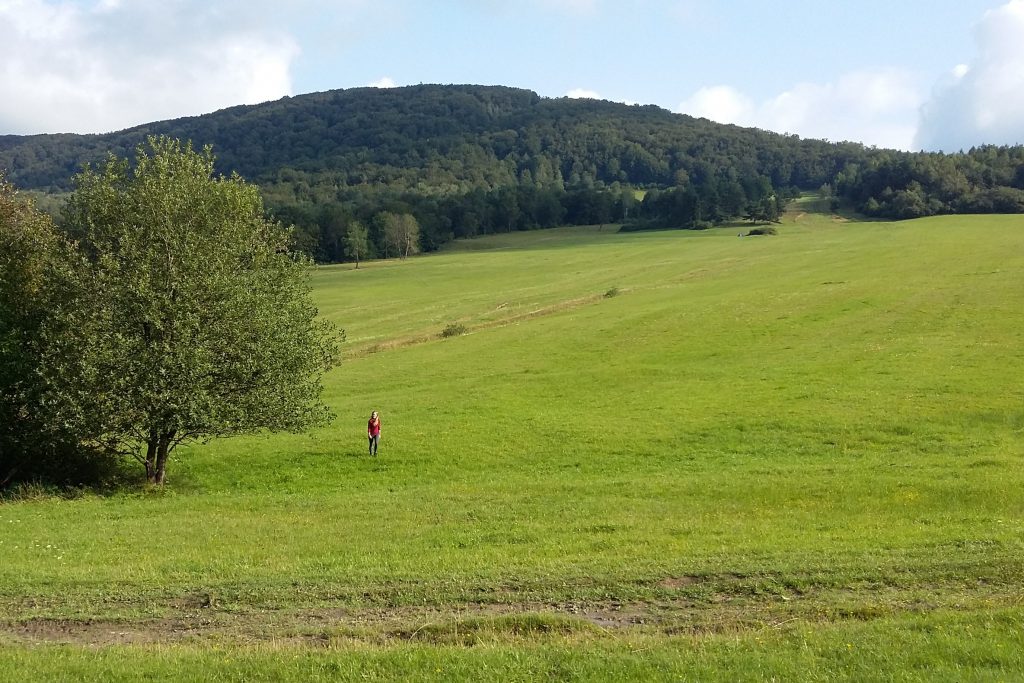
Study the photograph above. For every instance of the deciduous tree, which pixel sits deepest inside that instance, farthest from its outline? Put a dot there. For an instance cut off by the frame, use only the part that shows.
(401, 233)
(188, 318)
(357, 241)
(29, 247)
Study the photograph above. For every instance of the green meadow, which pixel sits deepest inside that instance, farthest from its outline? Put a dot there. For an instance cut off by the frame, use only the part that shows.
(671, 455)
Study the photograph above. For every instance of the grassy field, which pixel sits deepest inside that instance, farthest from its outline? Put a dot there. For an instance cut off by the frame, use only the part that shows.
(670, 455)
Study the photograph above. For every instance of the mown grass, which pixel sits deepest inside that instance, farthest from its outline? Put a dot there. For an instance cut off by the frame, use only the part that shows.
(823, 429)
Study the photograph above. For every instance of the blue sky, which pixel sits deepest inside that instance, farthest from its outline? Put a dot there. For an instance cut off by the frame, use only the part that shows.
(939, 74)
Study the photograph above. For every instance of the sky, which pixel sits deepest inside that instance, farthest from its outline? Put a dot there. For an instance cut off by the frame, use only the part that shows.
(906, 74)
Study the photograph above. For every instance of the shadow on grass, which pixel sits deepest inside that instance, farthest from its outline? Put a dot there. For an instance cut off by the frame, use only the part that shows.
(121, 479)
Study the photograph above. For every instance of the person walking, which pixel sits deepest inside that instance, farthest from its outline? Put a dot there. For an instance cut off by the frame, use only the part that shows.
(373, 432)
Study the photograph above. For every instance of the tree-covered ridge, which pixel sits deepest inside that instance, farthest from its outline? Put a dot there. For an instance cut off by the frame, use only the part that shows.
(442, 138)
(467, 160)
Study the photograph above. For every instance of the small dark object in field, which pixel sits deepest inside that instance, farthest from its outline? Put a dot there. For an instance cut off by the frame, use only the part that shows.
(614, 291)
(453, 330)
(766, 230)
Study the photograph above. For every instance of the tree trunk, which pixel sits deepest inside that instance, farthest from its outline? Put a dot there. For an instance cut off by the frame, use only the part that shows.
(151, 448)
(162, 451)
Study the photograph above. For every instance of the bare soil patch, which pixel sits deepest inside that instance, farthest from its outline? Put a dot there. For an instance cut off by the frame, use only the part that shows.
(688, 606)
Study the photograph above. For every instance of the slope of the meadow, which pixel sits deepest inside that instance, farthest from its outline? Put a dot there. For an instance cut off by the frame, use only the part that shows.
(649, 454)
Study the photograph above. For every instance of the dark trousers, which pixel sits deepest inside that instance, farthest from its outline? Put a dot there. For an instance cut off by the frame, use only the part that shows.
(374, 440)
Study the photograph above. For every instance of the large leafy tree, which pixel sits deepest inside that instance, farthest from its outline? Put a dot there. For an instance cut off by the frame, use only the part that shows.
(29, 251)
(188, 317)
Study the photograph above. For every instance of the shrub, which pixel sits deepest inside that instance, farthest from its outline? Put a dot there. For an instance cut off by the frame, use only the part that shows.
(614, 291)
(765, 230)
(453, 330)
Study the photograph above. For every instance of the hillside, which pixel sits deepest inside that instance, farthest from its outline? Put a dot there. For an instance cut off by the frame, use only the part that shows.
(467, 160)
(449, 137)
(793, 457)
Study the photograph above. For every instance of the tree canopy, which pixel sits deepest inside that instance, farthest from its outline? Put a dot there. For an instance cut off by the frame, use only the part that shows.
(182, 313)
(31, 252)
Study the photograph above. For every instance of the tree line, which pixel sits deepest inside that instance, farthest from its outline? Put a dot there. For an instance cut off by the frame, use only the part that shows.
(368, 226)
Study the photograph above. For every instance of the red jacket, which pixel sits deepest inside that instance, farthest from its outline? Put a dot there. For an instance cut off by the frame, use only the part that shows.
(373, 428)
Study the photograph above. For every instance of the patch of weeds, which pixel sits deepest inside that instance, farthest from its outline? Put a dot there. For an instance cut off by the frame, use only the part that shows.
(766, 230)
(453, 330)
(613, 292)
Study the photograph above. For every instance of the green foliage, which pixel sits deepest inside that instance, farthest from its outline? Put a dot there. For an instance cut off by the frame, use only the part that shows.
(357, 241)
(987, 179)
(453, 330)
(187, 319)
(465, 160)
(766, 230)
(34, 446)
(401, 233)
(468, 160)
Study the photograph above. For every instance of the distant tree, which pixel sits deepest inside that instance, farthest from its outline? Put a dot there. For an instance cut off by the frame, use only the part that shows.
(357, 240)
(505, 208)
(401, 233)
(765, 210)
(188, 316)
(333, 221)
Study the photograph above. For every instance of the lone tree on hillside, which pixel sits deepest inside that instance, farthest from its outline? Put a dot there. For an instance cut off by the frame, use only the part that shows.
(357, 241)
(186, 316)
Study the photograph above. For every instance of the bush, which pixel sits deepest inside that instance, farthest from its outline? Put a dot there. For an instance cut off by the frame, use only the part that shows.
(614, 291)
(766, 230)
(453, 330)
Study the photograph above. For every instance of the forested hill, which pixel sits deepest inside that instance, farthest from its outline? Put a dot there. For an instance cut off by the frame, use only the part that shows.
(442, 137)
(470, 159)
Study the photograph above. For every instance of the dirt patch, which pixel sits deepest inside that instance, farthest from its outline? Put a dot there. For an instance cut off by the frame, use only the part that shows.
(97, 632)
(677, 582)
(688, 605)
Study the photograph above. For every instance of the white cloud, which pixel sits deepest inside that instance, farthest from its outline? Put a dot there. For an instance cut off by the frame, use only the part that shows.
(983, 102)
(721, 103)
(874, 107)
(583, 94)
(385, 82)
(77, 67)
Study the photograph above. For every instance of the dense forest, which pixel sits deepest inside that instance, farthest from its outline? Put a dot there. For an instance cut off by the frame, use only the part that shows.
(377, 172)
